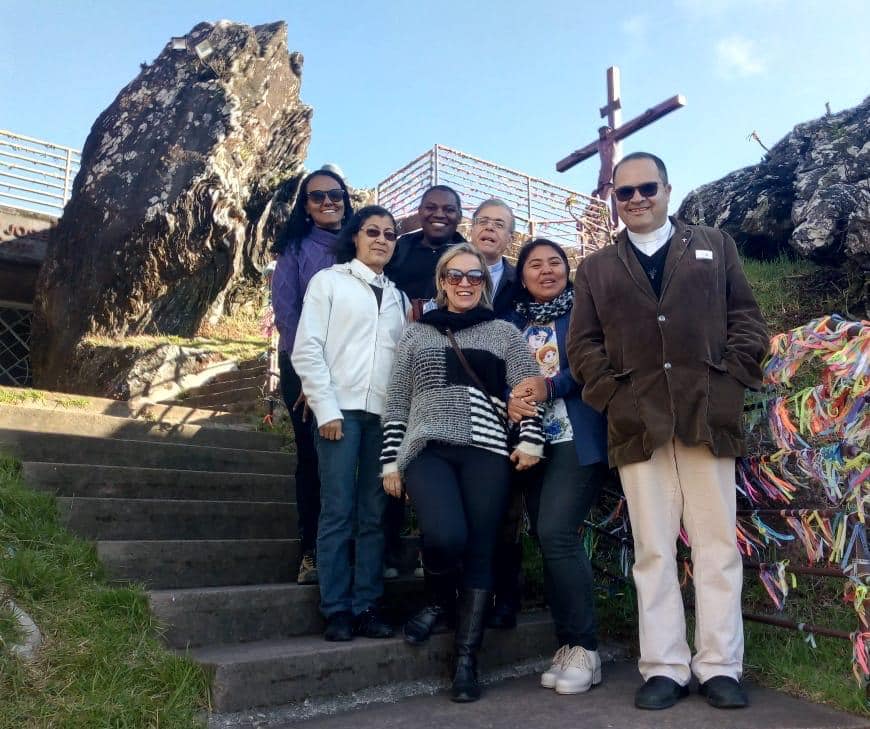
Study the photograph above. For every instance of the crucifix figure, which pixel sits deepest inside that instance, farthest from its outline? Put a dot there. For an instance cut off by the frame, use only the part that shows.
(608, 146)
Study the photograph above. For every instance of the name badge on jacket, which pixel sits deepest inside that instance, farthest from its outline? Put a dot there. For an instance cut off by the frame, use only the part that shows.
(703, 255)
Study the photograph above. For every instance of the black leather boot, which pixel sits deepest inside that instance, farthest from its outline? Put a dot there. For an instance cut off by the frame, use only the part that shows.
(439, 615)
(469, 637)
(507, 578)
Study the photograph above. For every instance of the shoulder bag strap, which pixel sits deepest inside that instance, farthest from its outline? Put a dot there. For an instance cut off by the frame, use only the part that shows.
(476, 380)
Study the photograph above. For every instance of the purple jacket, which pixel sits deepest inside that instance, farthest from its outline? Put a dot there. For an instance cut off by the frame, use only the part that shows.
(294, 270)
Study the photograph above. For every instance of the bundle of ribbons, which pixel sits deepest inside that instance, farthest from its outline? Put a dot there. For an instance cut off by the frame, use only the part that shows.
(820, 435)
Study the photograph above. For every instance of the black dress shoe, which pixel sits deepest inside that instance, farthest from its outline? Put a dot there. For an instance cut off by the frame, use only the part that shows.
(659, 692)
(724, 692)
(339, 627)
(370, 625)
(431, 620)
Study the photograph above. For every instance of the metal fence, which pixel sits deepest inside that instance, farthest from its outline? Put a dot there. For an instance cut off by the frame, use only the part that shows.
(576, 221)
(15, 345)
(36, 175)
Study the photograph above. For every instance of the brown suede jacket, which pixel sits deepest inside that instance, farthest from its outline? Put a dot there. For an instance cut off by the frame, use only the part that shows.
(673, 366)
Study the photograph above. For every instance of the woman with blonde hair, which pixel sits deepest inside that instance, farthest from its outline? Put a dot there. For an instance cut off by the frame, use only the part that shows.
(446, 437)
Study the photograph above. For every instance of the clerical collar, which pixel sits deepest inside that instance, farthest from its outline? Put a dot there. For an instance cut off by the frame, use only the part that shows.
(649, 243)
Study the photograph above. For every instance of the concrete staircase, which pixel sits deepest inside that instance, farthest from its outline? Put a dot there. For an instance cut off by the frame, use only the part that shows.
(241, 391)
(200, 512)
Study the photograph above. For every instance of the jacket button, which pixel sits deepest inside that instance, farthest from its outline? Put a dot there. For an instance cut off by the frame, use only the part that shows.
(662, 317)
(667, 365)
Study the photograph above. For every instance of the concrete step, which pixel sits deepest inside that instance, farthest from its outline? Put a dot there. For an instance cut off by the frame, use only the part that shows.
(148, 519)
(160, 412)
(243, 613)
(132, 482)
(269, 673)
(170, 564)
(61, 448)
(240, 382)
(200, 563)
(97, 425)
(224, 398)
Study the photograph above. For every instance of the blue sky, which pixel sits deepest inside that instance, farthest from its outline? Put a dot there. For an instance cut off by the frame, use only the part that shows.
(515, 82)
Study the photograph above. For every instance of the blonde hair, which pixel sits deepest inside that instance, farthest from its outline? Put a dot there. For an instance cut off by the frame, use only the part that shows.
(449, 255)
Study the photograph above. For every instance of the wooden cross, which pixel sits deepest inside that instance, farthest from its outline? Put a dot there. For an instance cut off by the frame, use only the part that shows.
(611, 136)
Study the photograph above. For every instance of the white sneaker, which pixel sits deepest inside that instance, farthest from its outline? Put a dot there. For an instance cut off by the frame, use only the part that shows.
(552, 674)
(581, 670)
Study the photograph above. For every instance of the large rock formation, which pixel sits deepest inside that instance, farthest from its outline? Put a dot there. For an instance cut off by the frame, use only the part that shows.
(181, 181)
(811, 193)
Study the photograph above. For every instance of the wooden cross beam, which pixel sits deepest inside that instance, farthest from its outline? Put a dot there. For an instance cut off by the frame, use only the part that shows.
(614, 117)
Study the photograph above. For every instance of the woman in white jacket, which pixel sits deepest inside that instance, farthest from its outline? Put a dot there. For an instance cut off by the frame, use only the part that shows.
(352, 318)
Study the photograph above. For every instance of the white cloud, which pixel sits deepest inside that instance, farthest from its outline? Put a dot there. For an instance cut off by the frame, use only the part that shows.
(738, 57)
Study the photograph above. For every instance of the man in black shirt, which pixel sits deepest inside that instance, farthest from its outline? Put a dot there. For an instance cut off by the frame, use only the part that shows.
(412, 267)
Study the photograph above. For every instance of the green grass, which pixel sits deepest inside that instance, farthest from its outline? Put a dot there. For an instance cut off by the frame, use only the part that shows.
(25, 396)
(10, 632)
(15, 396)
(792, 292)
(102, 664)
(784, 660)
(235, 349)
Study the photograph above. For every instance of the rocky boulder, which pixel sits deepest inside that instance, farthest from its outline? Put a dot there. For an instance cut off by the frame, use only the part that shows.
(811, 194)
(173, 208)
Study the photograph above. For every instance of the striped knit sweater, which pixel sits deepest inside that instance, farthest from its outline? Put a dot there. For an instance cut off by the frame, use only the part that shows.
(431, 397)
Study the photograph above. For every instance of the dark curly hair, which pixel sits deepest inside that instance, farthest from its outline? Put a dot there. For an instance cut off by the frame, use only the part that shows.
(344, 247)
(521, 294)
(299, 224)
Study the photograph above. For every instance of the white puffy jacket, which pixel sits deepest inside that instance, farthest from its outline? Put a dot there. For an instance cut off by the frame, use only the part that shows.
(344, 346)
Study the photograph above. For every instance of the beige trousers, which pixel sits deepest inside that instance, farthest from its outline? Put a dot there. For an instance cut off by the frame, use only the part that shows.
(689, 483)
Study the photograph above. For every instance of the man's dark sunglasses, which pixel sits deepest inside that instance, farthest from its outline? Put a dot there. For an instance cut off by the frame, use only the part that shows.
(318, 196)
(647, 189)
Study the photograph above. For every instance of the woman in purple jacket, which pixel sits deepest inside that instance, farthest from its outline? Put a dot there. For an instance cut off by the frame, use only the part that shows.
(305, 247)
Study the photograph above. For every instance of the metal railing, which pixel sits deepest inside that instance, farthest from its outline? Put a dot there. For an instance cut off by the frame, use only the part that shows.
(574, 220)
(36, 175)
(15, 321)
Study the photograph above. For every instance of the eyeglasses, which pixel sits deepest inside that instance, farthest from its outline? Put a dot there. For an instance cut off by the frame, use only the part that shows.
(494, 222)
(454, 276)
(375, 232)
(335, 195)
(647, 189)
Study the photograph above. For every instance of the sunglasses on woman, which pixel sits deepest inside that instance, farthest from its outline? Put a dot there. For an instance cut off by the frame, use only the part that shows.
(454, 276)
(374, 233)
(647, 189)
(335, 195)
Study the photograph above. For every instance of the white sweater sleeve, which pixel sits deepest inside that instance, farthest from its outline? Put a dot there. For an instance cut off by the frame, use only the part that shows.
(309, 356)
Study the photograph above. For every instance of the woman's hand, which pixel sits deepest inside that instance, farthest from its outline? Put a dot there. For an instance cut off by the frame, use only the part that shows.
(523, 460)
(303, 401)
(523, 399)
(531, 388)
(331, 430)
(393, 484)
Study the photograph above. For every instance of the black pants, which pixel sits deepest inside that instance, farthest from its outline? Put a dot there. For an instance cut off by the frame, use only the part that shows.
(460, 494)
(559, 494)
(307, 479)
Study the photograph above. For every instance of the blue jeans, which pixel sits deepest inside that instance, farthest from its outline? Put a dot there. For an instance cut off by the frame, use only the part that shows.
(352, 507)
(559, 494)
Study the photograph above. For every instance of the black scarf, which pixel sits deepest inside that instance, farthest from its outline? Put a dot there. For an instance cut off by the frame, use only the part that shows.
(532, 312)
(443, 319)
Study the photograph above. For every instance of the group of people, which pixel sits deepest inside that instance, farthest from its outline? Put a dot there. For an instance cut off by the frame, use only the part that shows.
(438, 372)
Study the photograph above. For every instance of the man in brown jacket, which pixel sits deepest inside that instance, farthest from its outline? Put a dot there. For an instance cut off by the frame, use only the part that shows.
(666, 336)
